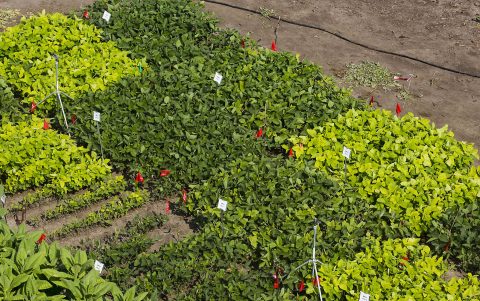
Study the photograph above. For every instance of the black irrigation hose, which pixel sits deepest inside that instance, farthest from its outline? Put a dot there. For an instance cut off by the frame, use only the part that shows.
(348, 40)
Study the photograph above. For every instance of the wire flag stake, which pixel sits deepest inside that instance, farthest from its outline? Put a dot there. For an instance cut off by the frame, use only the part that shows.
(57, 92)
(314, 261)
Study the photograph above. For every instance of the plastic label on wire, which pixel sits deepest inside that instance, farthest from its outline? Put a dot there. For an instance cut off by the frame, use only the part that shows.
(346, 152)
(96, 116)
(106, 16)
(218, 78)
(364, 297)
(222, 204)
(98, 266)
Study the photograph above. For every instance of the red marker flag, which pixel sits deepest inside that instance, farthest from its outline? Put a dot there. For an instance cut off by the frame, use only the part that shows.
(139, 178)
(184, 196)
(403, 261)
(290, 153)
(274, 46)
(41, 239)
(276, 283)
(164, 172)
(74, 119)
(243, 43)
(33, 107)
(46, 126)
(398, 109)
(301, 286)
(167, 207)
(86, 15)
(259, 133)
(371, 100)
(316, 281)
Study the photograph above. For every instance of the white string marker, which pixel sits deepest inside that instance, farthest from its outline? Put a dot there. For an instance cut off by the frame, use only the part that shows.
(364, 297)
(106, 16)
(98, 266)
(222, 204)
(218, 78)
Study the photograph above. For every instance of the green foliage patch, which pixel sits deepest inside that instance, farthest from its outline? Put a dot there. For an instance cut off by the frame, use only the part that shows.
(419, 174)
(86, 62)
(33, 157)
(175, 116)
(267, 228)
(34, 270)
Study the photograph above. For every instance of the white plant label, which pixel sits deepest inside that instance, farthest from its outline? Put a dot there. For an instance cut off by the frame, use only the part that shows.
(218, 78)
(3, 198)
(346, 152)
(98, 266)
(222, 204)
(106, 16)
(96, 116)
(364, 297)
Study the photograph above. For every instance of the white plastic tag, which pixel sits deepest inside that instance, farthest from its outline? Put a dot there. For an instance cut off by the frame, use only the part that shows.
(364, 297)
(98, 266)
(96, 116)
(346, 152)
(218, 78)
(106, 16)
(222, 205)
(3, 198)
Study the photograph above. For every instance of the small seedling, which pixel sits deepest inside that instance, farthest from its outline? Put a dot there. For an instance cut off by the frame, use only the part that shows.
(266, 12)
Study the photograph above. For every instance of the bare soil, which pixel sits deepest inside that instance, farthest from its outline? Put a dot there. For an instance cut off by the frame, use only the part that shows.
(50, 6)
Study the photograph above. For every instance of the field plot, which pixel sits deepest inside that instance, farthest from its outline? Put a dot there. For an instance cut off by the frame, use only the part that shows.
(193, 164)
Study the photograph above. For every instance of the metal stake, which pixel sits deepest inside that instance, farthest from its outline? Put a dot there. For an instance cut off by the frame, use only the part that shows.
(57, 92)
(313, 261)
(100, 138)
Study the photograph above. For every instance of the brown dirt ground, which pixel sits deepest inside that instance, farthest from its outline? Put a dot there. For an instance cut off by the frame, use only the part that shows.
(26, 6)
